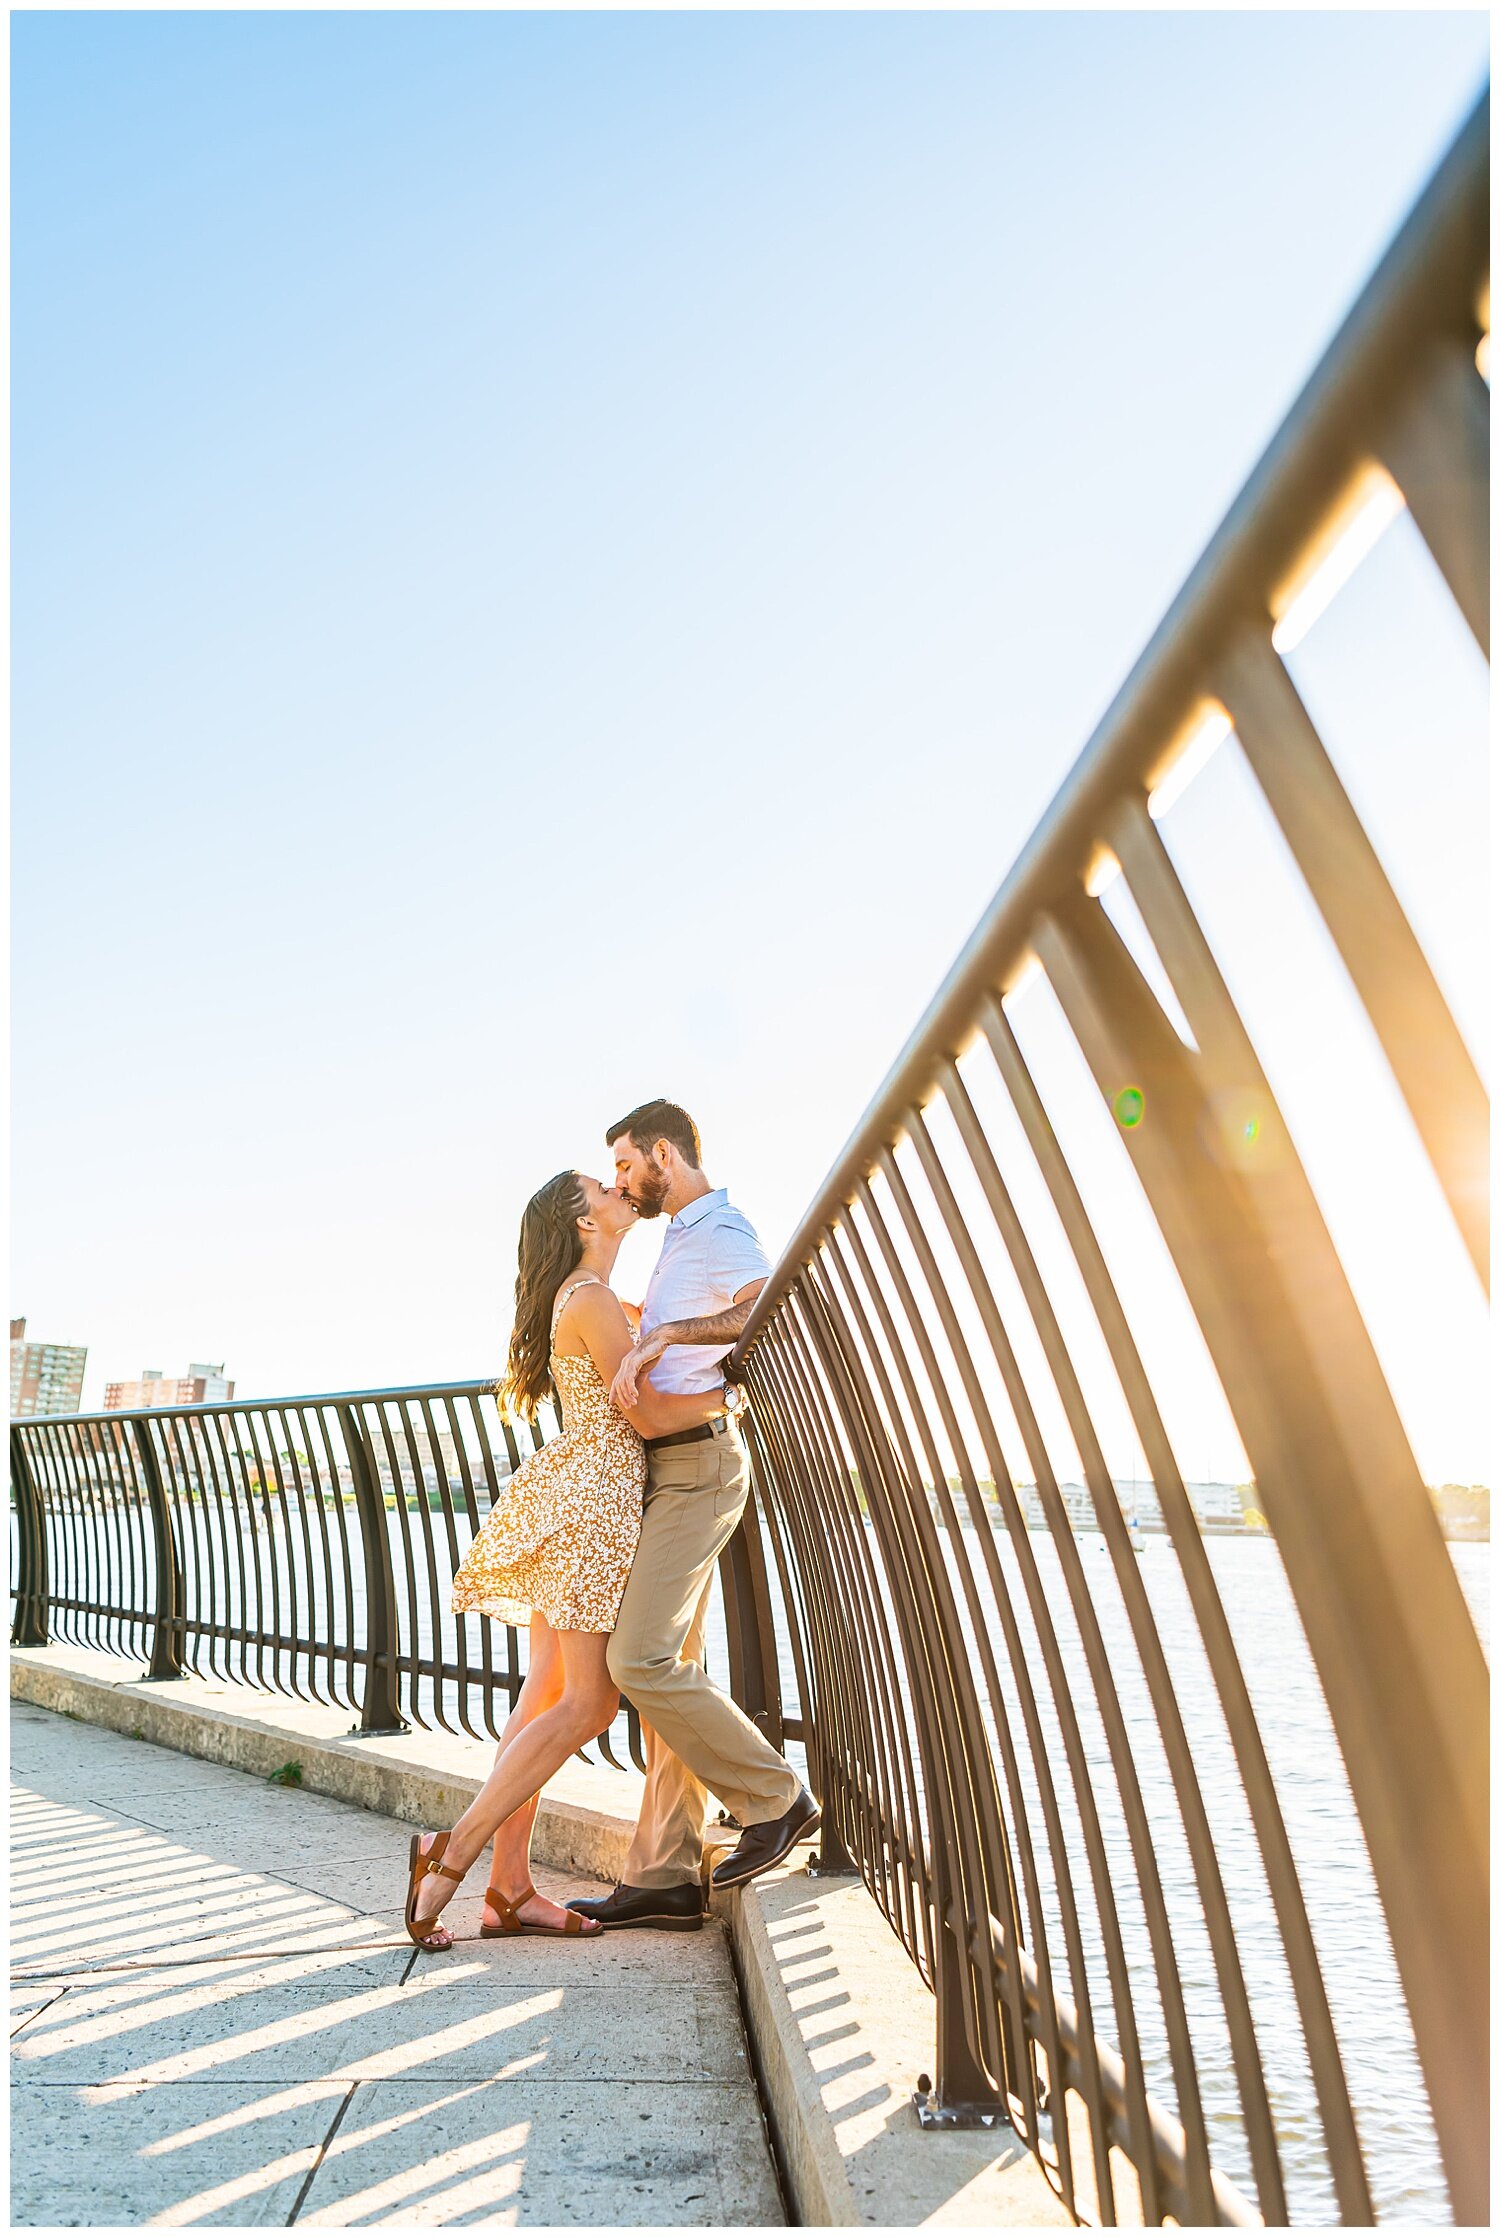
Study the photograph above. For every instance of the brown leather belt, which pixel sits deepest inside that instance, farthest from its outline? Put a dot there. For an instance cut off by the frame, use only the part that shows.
(686, 1436)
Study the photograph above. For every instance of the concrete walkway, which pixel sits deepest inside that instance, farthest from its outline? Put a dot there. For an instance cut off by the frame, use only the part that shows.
(218, 2020)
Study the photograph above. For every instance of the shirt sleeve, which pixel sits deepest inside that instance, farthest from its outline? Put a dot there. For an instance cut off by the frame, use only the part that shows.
(735, 1256)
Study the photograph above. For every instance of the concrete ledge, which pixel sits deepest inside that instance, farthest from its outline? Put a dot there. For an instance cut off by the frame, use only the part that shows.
(838, 2018)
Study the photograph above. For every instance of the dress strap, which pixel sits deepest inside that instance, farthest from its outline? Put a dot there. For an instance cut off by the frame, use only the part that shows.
(565, 1293)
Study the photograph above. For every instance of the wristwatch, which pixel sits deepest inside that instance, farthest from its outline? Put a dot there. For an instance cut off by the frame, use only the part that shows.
(735, 1401)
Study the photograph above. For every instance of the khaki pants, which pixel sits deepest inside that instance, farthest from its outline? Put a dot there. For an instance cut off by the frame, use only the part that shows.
(695, 1736)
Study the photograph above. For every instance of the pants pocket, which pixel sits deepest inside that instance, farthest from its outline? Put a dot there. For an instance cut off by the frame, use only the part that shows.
(733, 1487)
(679, 1470)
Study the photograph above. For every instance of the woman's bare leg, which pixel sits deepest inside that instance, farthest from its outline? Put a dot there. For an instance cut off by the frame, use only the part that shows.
(510, 1865)
(522, 1768)
(541, 1688)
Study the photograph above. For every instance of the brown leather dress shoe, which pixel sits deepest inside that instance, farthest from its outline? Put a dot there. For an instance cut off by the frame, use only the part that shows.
(761, 1847)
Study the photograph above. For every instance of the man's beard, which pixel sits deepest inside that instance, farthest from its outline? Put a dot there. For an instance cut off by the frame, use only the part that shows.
(649, 1196)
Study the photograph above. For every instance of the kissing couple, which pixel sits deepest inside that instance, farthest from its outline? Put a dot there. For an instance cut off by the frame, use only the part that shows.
(605, 1541)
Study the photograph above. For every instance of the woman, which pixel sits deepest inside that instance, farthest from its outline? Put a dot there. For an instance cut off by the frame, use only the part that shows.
(555, 1549)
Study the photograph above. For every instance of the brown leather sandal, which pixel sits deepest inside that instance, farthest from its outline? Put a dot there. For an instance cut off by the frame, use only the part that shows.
(511, 1923)
(422, 1862)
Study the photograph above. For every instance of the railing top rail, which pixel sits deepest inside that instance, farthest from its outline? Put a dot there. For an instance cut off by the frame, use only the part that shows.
(471, 1389)
(1424, 283)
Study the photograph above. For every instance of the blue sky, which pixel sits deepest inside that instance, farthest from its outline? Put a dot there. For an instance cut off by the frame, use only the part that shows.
(559, 558)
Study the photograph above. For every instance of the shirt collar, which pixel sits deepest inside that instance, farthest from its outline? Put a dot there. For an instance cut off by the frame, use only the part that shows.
(700, 1207)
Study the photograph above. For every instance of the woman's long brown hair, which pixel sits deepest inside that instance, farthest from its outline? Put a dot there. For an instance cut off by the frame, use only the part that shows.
(550, 1248)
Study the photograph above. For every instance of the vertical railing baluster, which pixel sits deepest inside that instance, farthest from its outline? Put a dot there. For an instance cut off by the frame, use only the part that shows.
(166, 1658)
(957, 1771)
(29, 1628)
(380, 1708)
(754, 1678)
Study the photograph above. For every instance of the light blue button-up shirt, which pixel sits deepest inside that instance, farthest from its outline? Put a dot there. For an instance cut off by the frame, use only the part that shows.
(709, 1252)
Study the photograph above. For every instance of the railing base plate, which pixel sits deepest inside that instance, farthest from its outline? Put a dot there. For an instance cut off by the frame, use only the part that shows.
(377, 1731)
(935, 2111)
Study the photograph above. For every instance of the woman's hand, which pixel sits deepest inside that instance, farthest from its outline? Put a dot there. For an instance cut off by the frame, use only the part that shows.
(643, 1354)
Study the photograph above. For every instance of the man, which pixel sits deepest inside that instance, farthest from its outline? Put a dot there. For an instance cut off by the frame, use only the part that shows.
(709, 1274)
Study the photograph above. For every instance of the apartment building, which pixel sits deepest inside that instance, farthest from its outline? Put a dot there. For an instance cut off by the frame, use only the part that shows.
(44, 1378)
(200, 1386)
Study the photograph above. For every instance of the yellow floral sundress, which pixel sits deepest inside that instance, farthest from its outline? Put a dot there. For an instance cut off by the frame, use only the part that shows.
(562, 1534)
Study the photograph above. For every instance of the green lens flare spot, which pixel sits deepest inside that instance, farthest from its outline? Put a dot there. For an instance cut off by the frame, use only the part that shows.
(1130, 1106)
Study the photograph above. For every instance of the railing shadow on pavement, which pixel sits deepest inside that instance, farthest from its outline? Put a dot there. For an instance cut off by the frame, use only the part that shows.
(218, 2018)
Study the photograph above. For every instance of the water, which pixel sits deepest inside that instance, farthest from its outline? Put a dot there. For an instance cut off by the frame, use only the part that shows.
(1338, 1886)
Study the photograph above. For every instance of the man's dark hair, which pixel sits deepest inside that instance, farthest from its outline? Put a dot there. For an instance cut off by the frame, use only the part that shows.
(650, 1123)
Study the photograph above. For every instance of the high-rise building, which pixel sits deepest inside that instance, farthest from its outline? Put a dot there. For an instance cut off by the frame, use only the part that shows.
(44, 1378)
(200, 1386)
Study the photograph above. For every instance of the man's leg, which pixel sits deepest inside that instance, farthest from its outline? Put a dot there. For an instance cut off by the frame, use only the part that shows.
(668, 1847)
(694, 1502)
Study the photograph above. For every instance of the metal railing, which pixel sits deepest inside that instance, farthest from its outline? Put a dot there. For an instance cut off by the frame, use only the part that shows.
(303, 1545)
(977, 1694)
(963, 1679)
